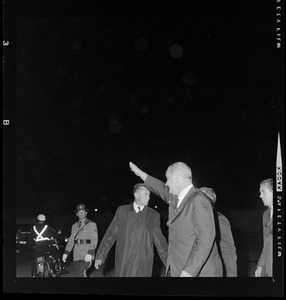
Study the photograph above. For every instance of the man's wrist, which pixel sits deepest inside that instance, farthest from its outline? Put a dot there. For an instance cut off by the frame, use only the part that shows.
(144, 176)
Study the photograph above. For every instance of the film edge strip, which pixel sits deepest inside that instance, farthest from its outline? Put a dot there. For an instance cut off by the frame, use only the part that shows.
(279, 222)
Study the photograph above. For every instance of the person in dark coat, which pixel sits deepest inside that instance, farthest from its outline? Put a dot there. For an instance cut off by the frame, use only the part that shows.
(224, 238)
(265, 263)
(135, 229)
(192, 250)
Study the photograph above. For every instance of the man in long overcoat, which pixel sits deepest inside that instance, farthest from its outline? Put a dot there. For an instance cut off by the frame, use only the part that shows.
(136, 229)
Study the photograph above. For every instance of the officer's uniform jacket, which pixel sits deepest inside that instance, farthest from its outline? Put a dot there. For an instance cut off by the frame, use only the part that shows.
(82, 240)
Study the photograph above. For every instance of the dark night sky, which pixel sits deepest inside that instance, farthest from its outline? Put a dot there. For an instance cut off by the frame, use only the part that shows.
(98, 91)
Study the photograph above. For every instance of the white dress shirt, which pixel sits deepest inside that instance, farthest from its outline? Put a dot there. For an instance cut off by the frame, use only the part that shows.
(136, 207)
(183, 193)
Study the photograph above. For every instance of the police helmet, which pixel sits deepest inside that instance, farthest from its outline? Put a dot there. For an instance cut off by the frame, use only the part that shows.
(41, 218)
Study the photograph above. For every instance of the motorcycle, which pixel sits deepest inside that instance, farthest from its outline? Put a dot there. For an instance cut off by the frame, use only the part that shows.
(47, 265)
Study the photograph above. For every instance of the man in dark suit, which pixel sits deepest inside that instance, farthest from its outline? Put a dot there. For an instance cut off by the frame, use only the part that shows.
(265, 262)
(225, 241)
(192, 251)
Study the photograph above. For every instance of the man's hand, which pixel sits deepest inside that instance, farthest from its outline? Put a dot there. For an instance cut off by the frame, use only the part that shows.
(88, 257)
(64, 258)
(97, 263)
(258, 272)
(185, 274)
(137, 171)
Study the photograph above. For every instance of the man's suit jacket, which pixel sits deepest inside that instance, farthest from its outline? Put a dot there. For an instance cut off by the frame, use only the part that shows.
(192, 246)
(227, 246)
(266, 257)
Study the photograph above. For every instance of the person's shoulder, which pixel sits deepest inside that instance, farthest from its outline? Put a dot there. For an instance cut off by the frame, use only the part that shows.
(123, 207)
(223, 218)
(199, 196)
(197, 193)
(91, 223)
(152, 211)
(266, 212)
(75, 224)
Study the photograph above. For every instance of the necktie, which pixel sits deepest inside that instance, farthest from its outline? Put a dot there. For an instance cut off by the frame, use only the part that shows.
(139, 208)
(81, 223)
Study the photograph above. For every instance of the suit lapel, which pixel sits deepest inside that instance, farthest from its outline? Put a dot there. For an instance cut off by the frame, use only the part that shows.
(181, 206)
(269, 219)
(270, 223)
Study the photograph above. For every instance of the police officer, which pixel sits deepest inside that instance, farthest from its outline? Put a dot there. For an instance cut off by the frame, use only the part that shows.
(43, 237)
(83, 241)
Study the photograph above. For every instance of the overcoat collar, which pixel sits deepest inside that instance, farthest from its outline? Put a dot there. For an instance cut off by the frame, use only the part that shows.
(269, 220)
(131, 208)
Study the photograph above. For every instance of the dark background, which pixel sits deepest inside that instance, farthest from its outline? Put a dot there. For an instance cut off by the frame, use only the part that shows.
(97, 91)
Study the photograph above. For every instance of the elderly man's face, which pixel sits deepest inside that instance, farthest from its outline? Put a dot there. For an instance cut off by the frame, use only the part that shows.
(171, 183)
